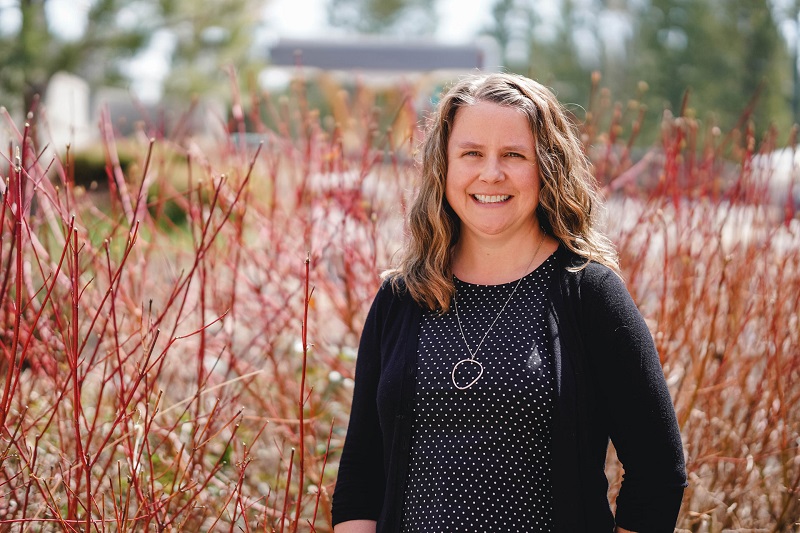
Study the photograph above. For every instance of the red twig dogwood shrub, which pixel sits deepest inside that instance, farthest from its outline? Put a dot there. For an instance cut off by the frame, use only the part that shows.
(178, 345)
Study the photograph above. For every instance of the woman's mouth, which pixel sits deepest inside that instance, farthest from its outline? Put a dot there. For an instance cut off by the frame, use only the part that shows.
(491, 199)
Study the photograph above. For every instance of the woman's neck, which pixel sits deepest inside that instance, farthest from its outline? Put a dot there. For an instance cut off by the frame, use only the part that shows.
(495, 262)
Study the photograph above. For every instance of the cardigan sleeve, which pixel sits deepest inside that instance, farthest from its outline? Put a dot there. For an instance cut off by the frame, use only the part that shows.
(361, 480)
(640, 414)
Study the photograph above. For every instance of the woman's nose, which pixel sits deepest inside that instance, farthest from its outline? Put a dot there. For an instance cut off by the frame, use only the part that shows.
(492, 171)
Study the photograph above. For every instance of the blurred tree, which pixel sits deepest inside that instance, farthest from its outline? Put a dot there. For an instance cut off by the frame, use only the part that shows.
(565, 42)
(764, 56)
(789, 12)
(206, 35)
(723, 51)
(499, 29)
(394, 17)
(556, 59)
(209, 35)
(511, 25)
(32, 52)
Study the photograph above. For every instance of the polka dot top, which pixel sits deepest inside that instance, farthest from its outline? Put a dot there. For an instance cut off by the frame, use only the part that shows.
(480, 458)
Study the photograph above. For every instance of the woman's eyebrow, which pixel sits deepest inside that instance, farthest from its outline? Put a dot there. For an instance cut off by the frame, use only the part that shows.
(517, 148)
(508, 147)
(469, 144)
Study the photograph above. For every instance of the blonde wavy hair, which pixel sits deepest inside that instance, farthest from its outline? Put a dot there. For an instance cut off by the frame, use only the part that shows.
(568, 199)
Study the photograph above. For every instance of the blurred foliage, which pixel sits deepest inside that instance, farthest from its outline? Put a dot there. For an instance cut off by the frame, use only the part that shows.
(90, 168)
(210, 36)
(714, 55)
(722, 54)
(725, 52)
(397, 17)
(32, 52)
(205, 35)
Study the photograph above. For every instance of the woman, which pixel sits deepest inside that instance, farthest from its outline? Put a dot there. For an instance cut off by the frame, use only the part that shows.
(504, 352)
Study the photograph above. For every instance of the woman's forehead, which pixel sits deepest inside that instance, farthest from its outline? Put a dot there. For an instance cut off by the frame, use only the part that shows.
(484, 122)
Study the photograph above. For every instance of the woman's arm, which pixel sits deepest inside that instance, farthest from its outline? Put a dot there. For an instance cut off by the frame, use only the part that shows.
(356, 526)
(638, 407)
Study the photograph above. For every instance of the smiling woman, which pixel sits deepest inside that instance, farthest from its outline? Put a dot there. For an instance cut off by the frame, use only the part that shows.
(503, 353)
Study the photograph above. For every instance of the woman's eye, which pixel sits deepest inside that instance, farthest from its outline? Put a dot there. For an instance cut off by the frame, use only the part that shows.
(514, 154)
(471, 153)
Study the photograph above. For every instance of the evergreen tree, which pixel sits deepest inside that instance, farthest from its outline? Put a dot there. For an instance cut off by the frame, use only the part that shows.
(722, 51)
(764, 57)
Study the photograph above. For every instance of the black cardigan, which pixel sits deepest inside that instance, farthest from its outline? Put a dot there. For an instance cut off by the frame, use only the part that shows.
(609, 384)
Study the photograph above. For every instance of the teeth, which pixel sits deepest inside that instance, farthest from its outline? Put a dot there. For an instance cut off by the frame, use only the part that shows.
(486, 199)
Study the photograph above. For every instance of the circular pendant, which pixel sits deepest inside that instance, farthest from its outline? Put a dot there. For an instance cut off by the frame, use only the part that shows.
(469, 369)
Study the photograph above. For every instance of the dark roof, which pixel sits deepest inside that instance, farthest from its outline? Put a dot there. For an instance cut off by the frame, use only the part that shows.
(377, 55)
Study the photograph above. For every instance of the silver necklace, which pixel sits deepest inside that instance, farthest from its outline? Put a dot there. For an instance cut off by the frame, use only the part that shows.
(471, 359)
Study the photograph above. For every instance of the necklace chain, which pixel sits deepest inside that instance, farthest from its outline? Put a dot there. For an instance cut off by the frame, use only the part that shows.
(471, 359)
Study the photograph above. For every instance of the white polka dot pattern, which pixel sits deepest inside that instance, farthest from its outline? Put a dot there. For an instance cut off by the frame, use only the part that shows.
(480, 458)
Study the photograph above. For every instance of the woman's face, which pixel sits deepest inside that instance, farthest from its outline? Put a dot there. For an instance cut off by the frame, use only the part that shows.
(492, 180)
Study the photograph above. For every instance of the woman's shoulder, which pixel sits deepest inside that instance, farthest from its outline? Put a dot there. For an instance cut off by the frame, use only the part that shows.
(391, 306)
(393, 292)
(597, 294)
(582, 269)
(392, 285)
(586, 279)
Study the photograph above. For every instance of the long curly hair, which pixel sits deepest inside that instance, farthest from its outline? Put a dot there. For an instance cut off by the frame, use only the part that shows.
(568, 199)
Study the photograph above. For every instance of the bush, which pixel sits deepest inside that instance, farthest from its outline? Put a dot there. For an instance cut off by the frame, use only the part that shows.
(89, 167)
(197, 374)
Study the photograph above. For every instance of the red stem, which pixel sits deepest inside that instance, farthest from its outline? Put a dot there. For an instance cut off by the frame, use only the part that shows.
(286, 494)
(301, 402)
(11, 357)
(322, 475)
